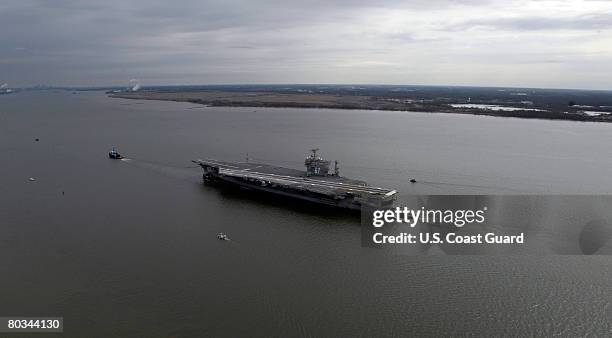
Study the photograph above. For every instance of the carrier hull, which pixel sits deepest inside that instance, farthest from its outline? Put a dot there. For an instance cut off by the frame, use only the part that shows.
(330, 190)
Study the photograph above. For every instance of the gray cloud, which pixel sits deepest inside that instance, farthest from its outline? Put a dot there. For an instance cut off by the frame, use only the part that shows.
(69, 42)
(580, 22)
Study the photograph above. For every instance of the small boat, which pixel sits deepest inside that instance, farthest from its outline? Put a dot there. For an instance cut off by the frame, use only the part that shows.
(222, 236)
(114, 154)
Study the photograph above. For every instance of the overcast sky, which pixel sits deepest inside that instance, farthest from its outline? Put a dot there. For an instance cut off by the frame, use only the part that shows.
(559, 44)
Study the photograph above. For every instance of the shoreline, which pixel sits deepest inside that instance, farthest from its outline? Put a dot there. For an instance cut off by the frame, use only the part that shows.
(271, 99)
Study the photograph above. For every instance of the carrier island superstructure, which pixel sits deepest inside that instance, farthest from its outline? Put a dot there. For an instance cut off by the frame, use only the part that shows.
(317, 184)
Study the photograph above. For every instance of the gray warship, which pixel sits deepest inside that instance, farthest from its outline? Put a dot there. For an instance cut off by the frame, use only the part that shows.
(317, 184)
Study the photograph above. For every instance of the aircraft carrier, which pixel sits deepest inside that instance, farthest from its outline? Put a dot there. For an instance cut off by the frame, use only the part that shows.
(317, 184)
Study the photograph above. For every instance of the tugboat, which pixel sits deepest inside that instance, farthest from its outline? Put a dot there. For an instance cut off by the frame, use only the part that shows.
(223, 237)
(114, 154)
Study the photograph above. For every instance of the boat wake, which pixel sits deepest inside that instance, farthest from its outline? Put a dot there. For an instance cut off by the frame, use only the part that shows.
(165, 169)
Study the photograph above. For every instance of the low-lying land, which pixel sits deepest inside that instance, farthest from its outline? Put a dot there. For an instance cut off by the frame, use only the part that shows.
(526, 103)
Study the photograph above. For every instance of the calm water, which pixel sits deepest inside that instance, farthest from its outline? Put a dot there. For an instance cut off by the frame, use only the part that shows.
(129, 248)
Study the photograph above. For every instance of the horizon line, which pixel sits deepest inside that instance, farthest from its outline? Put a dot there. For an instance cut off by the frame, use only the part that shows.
(76, 87)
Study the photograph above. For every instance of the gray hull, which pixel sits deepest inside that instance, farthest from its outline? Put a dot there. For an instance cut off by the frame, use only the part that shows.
(328, 190)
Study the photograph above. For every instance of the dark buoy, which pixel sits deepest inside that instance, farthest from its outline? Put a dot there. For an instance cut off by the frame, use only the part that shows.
(412, 180)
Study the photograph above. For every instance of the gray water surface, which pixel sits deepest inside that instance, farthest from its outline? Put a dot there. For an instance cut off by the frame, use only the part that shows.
(128, 248)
